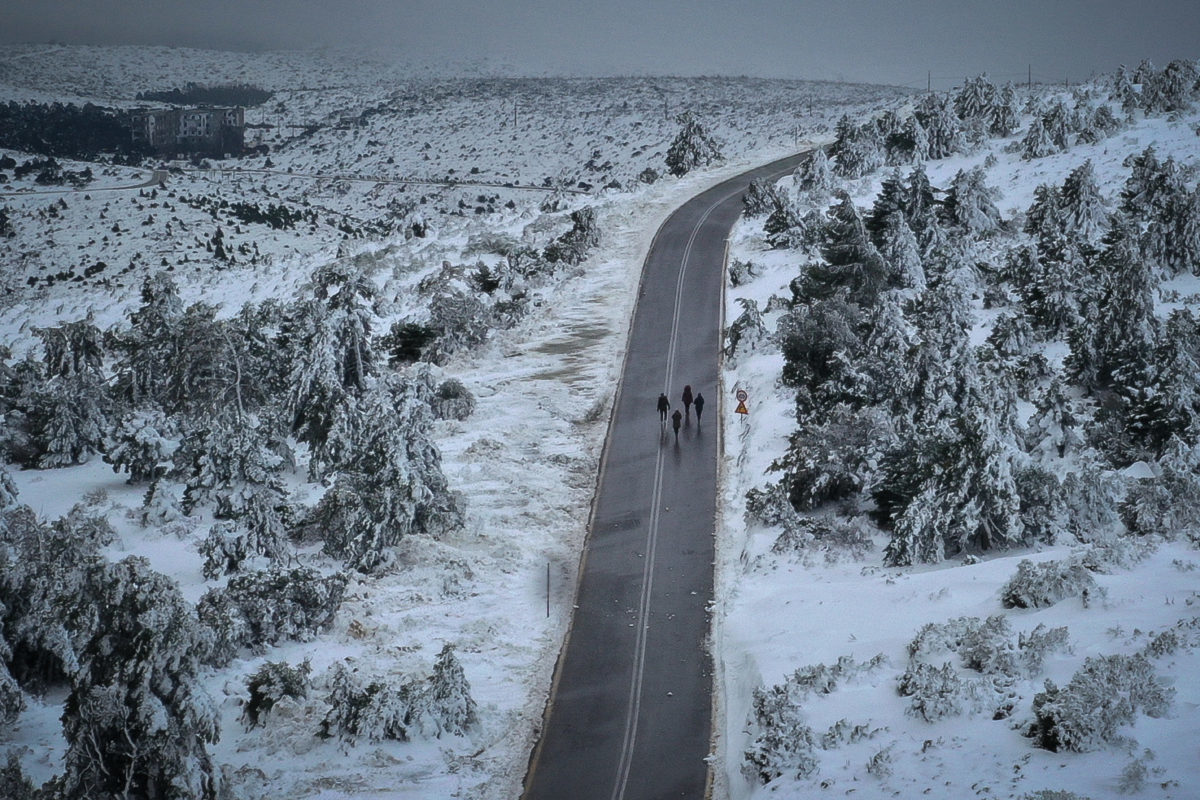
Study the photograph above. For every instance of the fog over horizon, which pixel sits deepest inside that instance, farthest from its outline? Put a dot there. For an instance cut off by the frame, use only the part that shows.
(873, 41)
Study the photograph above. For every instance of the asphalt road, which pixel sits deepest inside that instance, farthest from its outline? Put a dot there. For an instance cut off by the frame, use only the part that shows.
(630, 712)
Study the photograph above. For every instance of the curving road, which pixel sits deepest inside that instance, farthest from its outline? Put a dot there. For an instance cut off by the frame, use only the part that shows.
(630, 712)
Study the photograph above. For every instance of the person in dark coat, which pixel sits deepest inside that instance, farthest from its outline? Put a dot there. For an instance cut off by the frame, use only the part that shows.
(676, 419)
(699, 401)
(664, 405)
(687, 401)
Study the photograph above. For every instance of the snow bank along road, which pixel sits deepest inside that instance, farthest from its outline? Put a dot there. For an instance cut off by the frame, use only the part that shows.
(630, 711)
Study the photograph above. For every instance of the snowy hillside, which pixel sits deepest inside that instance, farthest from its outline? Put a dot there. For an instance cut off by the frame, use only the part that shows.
(970, 463)
(237, 341)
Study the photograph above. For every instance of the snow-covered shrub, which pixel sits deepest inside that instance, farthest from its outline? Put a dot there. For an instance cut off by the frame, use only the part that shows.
(441, 703)
(880, 764)
(460, 319)
(934, 692)
(1044, 584)
(374, 712)
(741, 272)
(1091, 496)
(783, 744)
(692, 147)
(573, 246)
(140, 445)
(835, 536)
(159, 506)
(260, 608)
(1043, 508)
(273, 682)
(1053, 794)
(943, 129)
(844, 732)
(452, 400)
(1104, 695)
(68, 420)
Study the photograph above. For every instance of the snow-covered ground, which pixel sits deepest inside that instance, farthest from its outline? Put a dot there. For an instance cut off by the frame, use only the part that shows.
(777, 613)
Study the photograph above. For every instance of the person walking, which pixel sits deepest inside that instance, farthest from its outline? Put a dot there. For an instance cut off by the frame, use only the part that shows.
(687, 401)
(699, 401)
(676, 419)
(664, 405)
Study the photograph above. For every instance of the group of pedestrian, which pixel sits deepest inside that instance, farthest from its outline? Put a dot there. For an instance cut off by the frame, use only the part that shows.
(677, 418)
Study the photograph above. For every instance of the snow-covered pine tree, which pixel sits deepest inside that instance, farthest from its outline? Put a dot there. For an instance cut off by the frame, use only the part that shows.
(1037, 142)
(1054, 428)
(920, 204)
(447, 700)
(1170, 406)
(692, 147)
(139, 445)
(975, 102)
(858, 149)
(761, 198)
(1005, 117)
(943, 129)
(390, 482)
(898, 246)
(814, 178)
(137, 720)
(1114, 344)
(970, 203)
(1172, 239)
(851, 261)
(144, 362)
(1047, 277)
(228, 461)
(1083, 208)
(73, 349)
(891, 198)
(1123, 91)
(747, 331)
(1059, 124)
(69, 420)
(1045, 212)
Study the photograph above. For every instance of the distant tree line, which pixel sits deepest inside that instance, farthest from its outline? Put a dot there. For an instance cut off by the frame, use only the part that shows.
(193, 94)
(64, 130)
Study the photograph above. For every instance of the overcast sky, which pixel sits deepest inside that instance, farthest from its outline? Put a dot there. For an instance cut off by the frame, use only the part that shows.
(883, 41)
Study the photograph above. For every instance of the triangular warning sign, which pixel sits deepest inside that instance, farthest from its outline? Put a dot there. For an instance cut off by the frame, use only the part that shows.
(741, 409)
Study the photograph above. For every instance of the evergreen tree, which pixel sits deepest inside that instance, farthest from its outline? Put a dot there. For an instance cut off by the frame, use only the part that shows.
(851, 261)
(761, 198)
(1172, 239)
(976, 100)
(692, 147)
(814, 177)
(1037, 142)
(902, 254)
(1084, 211)
(1059, 123)
(390, 482)
(69, 421)
(970, 203)
(447, 698)
(1047, 278)
(1170, 407)
(887, 355)
(73, 349)
(920, 204)
(228, 461)
(1005, 117)
(857, 150)
(137, 721)
(1054, 428)
(1045, 214)
(943, 129)
(1114, 344)
(139, 445)
(1123, 91)
(891, 198)
(145, 360)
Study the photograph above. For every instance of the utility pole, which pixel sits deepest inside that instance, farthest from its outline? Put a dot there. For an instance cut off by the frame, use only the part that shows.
(1030, 84)
(929, 81)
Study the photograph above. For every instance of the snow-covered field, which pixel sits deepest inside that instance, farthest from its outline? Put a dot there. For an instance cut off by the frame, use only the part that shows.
(783, 612)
